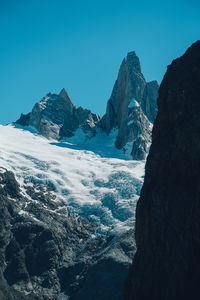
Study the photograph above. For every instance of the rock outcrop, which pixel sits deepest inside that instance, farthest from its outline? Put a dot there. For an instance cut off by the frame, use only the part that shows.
(131, 107)
(46, 252)
(167, 261)
(55, 116)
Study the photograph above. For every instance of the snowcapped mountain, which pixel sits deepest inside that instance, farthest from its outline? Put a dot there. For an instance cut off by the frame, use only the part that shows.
(55, 116)
(69, 183)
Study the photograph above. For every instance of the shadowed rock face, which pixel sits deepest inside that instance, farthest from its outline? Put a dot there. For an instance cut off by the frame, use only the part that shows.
(167, 263)
(121, 113)
(149, 101)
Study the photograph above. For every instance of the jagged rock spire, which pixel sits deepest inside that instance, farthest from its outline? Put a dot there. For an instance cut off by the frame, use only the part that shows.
(63, 94)
(133, 61)
(55, 116)
(131, 123)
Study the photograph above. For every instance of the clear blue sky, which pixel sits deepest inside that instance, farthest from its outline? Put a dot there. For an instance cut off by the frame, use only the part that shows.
(79, 44)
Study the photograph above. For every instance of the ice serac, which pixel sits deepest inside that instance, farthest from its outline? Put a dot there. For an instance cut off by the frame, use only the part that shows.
(131, 107)
(55, 116)
(167, 262)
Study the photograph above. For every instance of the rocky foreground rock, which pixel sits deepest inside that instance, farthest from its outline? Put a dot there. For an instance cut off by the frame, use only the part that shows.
(167, 262)
(46, 253)
(130, 111)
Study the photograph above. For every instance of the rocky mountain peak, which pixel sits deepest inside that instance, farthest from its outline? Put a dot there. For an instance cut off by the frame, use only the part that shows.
(132, 60)
(131, 87)
(131, 54)
(63, 94)
(55, 116)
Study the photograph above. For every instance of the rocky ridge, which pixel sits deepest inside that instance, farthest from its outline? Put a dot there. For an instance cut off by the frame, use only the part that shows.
(130, 111)
(55, 116)
(131, 107)
(166, 264)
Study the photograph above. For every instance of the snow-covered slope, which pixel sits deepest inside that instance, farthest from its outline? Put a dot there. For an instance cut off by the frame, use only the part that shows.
(91, 183)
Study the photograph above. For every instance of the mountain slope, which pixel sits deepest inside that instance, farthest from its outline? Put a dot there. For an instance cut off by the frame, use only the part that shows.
(69, 215)
(102, 189)
(167, 262)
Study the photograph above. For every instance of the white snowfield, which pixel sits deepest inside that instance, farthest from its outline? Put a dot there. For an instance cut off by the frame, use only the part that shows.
(91, 183)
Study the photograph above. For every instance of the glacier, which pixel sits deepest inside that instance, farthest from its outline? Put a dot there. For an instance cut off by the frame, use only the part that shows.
(94, 179)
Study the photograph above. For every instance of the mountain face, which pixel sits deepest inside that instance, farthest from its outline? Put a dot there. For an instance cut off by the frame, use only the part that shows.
(35, 234)
(130, 110)
(55, 116)
(47, 253)
(131, 107)
(167, 262)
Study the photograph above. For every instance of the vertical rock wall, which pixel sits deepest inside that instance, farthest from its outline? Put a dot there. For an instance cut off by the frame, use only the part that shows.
(167, 263)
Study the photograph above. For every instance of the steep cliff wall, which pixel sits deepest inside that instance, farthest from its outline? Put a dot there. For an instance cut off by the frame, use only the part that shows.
(167, 263)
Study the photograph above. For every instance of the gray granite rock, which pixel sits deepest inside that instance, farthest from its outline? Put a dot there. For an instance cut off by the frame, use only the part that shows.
(131, 107)
(55, 116)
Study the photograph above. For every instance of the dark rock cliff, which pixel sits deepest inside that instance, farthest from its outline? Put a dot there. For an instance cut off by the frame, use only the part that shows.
(167, 263)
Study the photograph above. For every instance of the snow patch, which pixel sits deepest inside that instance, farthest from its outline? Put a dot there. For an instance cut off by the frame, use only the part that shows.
(2, 170)
(130, 122)
(133, 103)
